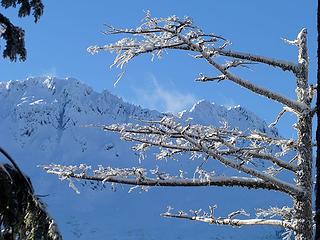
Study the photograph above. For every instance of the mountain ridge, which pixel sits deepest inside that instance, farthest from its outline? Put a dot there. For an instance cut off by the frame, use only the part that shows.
(37, 99)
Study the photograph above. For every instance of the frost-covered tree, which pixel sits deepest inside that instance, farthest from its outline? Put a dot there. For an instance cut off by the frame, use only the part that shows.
(14, 35)
(287, 163)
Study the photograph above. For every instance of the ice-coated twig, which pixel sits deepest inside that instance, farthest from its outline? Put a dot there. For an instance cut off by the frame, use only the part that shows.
(284, 212)
(283, 111)
(291, 42)
(203, 78)
(237, 213)
(237, 63)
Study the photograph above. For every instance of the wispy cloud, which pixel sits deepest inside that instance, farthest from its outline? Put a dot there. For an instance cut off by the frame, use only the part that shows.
(52, 72)
(229, 102)
(163, 98)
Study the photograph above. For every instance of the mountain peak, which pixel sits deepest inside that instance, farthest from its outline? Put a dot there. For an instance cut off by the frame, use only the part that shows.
(206, 113)
(47, 105)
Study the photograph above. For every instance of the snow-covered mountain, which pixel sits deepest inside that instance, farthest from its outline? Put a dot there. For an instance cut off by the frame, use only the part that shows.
(44, 120)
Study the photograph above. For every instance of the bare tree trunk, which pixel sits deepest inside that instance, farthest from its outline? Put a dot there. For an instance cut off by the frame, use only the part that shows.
(303, 203)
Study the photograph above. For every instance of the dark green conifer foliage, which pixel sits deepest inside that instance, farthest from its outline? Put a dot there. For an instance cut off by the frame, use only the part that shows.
(23, 216)
(13, 35)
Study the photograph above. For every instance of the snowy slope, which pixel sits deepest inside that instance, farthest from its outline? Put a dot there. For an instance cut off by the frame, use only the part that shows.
(207, 113)
(43, 120)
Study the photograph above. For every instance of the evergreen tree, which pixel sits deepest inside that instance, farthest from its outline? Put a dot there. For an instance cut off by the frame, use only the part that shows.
(22, 213)
(14, 35)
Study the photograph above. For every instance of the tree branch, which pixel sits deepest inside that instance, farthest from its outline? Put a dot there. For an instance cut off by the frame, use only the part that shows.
(284, 65)
(299, 107)
(231, 221)
(145, 131)
(284, 186)
(238, 166)
(113, 175)
(173, 33)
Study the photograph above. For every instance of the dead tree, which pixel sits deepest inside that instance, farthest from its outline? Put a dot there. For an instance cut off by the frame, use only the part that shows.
(222, 144)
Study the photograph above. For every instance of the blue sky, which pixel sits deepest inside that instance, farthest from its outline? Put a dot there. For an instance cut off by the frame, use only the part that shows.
(57, 46)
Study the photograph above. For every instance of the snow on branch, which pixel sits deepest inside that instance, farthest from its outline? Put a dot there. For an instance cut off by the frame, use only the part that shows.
(283, 111)
(231, 220)
(285, 213)
(137, 176)
(295, 105)
(141, 178)
(284, 65)
(170, 135)
(155, 35)
(222, 144)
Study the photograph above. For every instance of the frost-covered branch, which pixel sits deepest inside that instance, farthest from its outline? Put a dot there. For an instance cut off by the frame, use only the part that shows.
(285, 213)
(221, 144)
(155, 35)
(283, 111)
(231, 220)
(284, 65)
(225, 142)
(139, 177)
(299, 107)
(152, 29)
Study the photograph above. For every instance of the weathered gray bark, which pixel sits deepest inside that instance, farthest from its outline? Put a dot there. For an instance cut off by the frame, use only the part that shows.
(303, 203)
